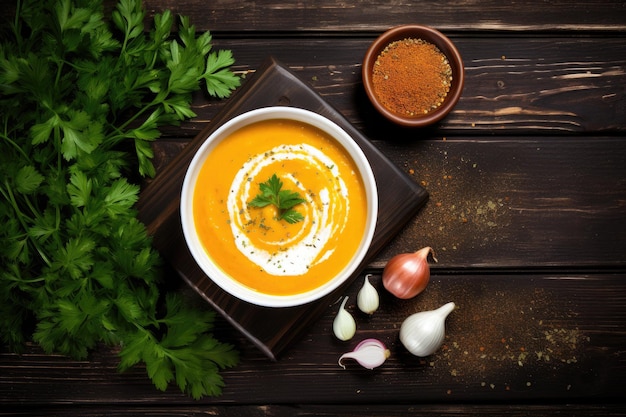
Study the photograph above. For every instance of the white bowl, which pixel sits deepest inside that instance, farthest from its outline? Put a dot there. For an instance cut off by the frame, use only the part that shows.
(204, 260)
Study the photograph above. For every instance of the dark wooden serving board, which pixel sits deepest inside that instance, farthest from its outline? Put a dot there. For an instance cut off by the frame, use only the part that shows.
(271, 330)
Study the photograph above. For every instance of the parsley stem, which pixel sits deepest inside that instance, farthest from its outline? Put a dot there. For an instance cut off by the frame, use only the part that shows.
(59, 73)
(23, 280)
(17, 147)
(134, 117)
(7, 192)
(17, 25)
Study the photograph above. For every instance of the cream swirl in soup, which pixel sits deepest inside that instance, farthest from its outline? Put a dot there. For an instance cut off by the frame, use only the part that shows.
(290, 254)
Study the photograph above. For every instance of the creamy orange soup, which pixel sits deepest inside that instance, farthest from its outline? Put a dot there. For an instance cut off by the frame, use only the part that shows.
(249, 243)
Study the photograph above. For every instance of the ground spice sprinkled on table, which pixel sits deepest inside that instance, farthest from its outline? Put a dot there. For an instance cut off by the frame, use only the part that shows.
(411, 77)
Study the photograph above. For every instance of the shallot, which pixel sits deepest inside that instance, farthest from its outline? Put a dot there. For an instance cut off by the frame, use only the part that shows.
(370, 354)
(407, 274)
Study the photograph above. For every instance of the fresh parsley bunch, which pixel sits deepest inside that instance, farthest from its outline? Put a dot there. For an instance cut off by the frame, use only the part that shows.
(81, 100)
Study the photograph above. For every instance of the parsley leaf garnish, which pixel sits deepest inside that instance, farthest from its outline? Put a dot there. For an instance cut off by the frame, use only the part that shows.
(76, 89)
(284, 200)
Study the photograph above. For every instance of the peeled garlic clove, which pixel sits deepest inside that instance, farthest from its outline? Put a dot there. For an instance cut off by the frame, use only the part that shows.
(370, 354)
(422, 333)
(344, 325)
(367, 298)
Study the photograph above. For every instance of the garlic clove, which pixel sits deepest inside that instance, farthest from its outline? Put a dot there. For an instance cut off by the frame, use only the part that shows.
(423, 333)
(367, 299)
(370, 354)
(344, 325)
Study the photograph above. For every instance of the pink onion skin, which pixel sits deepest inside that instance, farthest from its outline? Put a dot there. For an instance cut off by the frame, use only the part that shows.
(370, 354)
(407, 274)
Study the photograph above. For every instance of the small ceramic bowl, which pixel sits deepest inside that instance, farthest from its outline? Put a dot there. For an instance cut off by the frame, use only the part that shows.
(444, 45)
(212, 267)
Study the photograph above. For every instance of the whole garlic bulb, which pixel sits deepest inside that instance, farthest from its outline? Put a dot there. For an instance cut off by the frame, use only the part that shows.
(422, 333)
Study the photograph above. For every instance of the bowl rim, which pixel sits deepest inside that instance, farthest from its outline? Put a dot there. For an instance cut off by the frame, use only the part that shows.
(428, 34)
(212, 270)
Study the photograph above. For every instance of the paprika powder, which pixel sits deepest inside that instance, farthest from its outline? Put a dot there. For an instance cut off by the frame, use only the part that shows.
(411, 77)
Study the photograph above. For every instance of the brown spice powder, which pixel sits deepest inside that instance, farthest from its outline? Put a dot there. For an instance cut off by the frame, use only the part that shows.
(500, 335)
(411, 77)
(506, 333)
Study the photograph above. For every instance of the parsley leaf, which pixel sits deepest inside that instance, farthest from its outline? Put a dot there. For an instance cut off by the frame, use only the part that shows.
(75, 88)
(27, 179)
(162, 355)
(284, 200)
(219, 80)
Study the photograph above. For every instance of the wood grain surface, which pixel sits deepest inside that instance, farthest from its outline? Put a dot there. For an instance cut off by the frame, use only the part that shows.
(526, 211)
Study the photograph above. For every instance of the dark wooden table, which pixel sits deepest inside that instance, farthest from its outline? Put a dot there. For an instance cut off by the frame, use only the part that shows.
(527, 214)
